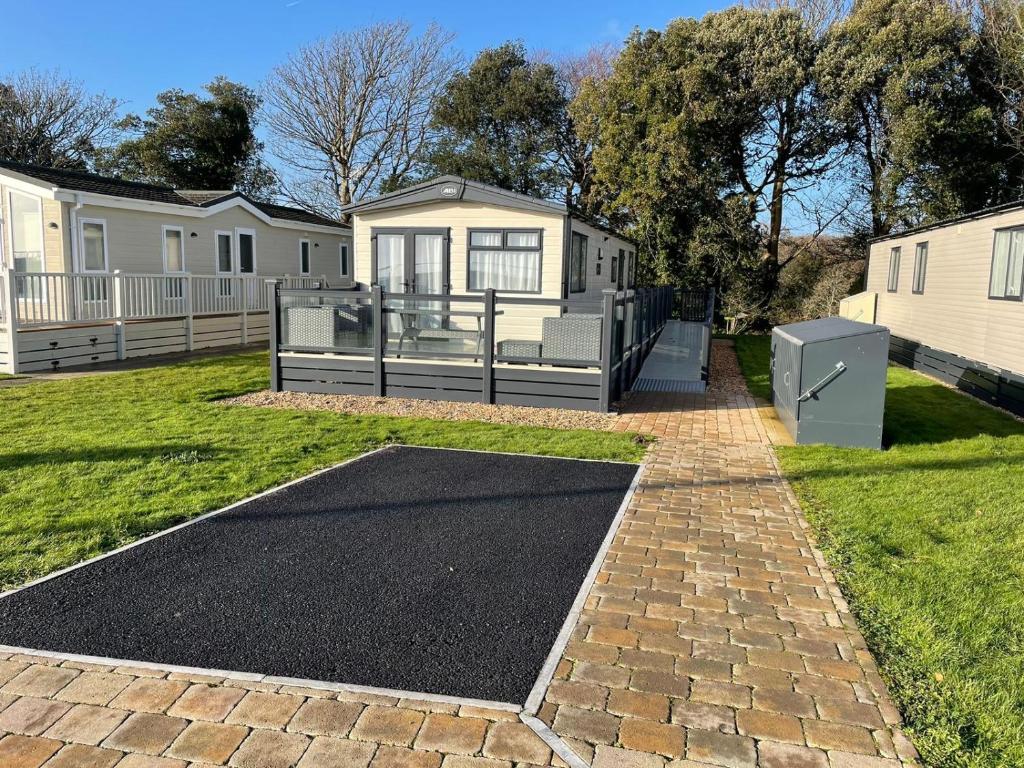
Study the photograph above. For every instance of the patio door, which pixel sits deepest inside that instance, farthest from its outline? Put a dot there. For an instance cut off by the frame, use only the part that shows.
(413, 261)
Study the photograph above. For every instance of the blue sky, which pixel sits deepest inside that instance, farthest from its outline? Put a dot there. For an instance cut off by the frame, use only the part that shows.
(131, 50)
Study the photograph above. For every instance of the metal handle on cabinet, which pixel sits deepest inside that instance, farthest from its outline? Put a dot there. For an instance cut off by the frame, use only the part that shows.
(840, 367)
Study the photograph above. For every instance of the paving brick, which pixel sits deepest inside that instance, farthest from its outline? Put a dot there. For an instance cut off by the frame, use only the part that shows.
(206, 702)
(721, 749)
(445, 733)
(387, 725)
(270, 749)
(620, 638)
(614, 757)
(600, 674)
(515, 742)
(137, 760)
(206, 742)
(326, 752)
(464, 761)
(325, 717)
(86, 724)
(26, 751)
(592, 727)
(400, 757)
(145, 732)
(727, 694)
(649, 736)
(84, 756)
(40, 680)
(848, 760)
(784, 702)
(585, 695)
(847, 738)
(265, 710)
(30, 716)
(147, 694)
(769, 725)
(851, 712)
(706, 717)
(652, 706)
(772, 754)
(10, 669)
(94, 688)
(668, 684)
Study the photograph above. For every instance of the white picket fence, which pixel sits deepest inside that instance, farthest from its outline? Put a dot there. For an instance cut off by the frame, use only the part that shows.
(62, 298)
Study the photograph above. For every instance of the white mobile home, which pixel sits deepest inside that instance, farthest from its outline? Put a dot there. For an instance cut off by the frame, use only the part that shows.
(951, 294)
(97, 268)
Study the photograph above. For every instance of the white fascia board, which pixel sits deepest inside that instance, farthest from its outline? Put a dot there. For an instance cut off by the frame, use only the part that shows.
(21, 183)
(196, 212)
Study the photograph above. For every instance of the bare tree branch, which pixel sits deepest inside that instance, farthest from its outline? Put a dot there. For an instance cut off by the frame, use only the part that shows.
(350, 114)
(49, 119)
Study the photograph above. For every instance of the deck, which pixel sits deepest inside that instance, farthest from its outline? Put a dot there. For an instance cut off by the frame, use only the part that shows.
(679, 360)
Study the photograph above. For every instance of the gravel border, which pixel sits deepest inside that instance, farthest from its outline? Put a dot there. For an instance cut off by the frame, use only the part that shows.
(516, 415)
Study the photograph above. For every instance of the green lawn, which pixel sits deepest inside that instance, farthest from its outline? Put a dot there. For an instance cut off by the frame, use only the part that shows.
(88, 464)
(927, 538)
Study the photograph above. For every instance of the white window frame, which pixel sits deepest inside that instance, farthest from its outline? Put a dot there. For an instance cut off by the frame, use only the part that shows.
(163, 246)
(81, 246)
(892, 284)
(1005, 295)
(42, 227)
(239, 231)
(344, 258)
(309, 257)
(217, 234)
(920, 268)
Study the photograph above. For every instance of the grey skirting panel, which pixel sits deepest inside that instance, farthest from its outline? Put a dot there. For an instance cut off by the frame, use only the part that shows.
(578, 390)
(1004, 389)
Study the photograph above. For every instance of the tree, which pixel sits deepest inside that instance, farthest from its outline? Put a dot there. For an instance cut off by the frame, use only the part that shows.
(576, 133)
(1001, 32)
(897, 74)
(707, 128)
(350, 115)
(499, 123)
(191, 142)
(48, 119)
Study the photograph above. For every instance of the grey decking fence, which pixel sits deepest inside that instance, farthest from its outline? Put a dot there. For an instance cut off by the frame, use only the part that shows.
(366, 342)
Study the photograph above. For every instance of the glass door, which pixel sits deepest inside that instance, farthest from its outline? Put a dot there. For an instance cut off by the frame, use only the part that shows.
(429, 277)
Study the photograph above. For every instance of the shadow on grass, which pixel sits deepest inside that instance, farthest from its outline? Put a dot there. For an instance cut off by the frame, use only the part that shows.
(920, 411)
(182, 454)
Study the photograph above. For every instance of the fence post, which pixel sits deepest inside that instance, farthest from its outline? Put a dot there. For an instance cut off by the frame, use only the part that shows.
(243, 292)
(119, 314)
(10, 311)
(608, 317)
(621, 327)
(275, 362)
(377, 299)
(488, 361)
(188, 312)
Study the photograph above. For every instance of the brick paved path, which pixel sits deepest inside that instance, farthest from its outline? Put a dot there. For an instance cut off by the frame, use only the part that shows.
(715, 635)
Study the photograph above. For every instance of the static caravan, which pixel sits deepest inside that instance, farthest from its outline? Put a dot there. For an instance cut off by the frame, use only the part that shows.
(96, 269)
(468, 292)
(951, 295)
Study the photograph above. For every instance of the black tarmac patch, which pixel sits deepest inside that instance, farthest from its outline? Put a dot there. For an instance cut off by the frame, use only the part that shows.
(445, 572)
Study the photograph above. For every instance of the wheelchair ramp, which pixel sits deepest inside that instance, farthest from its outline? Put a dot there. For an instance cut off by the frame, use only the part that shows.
(678, 362)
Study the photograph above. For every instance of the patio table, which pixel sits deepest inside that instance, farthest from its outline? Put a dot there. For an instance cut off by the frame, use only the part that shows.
(411, 331)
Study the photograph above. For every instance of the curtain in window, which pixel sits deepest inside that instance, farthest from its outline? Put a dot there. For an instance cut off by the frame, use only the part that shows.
(391, 262)
(485, 239)
(173, 247)
(1015, 264)
(504, 270)
(93, 257)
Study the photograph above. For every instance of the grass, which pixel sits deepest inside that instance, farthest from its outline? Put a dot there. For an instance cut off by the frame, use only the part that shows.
(927, 538)
(89, 464)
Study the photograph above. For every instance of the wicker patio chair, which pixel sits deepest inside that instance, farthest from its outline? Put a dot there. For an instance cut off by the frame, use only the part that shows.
(310, 326)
